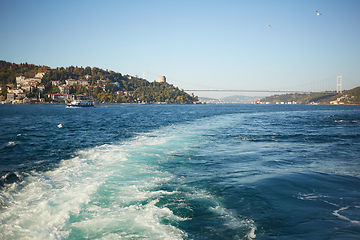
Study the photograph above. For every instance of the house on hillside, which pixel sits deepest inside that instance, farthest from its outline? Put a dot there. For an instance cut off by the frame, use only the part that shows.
(101, 82)
(20, 81)
(57, 97)
(27, 88)
(55, 83)
(10, 96)
(71, 82)
(80, 96)
(64, 89)
(120, 93)
(40, 75)
(41, 88)
(81, 82)
(26, 100)
(20, 95)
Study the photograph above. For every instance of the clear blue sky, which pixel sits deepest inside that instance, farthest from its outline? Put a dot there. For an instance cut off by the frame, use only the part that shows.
(195, 44)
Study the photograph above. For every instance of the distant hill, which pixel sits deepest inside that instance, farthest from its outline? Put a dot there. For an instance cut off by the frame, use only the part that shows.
(346, 97)
(240, 99)
(230, 99)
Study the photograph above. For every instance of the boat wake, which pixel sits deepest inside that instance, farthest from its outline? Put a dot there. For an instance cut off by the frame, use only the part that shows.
(115, 191)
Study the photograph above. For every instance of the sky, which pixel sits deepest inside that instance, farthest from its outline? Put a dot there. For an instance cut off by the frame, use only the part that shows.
(196, 44)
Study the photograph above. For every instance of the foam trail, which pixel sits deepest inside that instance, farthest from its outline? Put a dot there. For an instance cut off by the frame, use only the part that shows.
(107, 192)
(100, 187)
(91, 193)
(336, 213)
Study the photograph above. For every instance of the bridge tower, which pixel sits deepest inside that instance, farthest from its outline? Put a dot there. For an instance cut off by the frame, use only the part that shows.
(339, 83)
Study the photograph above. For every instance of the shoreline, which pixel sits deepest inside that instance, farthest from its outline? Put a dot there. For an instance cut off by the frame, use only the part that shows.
(47, 103)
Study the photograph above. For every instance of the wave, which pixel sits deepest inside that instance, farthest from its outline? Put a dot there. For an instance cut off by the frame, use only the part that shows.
(10, 144)
(336, 213)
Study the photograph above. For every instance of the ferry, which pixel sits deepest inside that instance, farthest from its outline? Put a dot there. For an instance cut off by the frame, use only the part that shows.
(80, 104)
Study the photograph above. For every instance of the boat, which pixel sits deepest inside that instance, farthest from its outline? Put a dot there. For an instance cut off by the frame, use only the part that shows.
(80, 104)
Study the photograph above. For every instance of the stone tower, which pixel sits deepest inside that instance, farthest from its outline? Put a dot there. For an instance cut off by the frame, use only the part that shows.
(161, 79)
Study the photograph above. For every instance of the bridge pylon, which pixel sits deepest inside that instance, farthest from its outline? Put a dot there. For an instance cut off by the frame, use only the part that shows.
(339, 83)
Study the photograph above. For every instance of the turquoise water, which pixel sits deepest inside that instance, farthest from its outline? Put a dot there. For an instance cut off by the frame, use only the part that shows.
(180, 172)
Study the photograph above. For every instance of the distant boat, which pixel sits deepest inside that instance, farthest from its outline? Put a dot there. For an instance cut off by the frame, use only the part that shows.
(80, 104)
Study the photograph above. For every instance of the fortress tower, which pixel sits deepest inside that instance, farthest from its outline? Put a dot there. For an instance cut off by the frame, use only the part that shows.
(161, 79)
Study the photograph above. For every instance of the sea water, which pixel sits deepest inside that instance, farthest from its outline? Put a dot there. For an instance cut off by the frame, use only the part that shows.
(180, 172)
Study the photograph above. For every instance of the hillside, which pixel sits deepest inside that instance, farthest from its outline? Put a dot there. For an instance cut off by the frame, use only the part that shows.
(23, 81)
(346, 97)
(240, 99)
(230, 99)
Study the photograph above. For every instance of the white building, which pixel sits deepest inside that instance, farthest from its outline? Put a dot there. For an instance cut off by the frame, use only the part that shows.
(57, 97)
(71, 82)
(20, 81)
(40, 75)
(64, 89)
(82, 82)
(10, 96)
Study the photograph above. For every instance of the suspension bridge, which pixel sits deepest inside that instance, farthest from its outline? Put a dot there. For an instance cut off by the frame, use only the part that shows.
(332, 84)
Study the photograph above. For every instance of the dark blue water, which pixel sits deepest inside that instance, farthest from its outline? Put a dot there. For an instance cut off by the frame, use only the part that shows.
(180, 172)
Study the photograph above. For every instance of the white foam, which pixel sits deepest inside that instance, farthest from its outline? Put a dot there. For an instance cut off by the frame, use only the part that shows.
(233, 221)
(105, 185)
(10, 144)
(104, 192)
(336, 213)
(310, 196)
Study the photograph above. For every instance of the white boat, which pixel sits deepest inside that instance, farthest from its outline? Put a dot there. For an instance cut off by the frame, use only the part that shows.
(80, 104)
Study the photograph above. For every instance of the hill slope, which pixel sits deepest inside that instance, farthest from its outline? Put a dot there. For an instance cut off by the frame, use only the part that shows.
(346, 97)
(98, 85)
